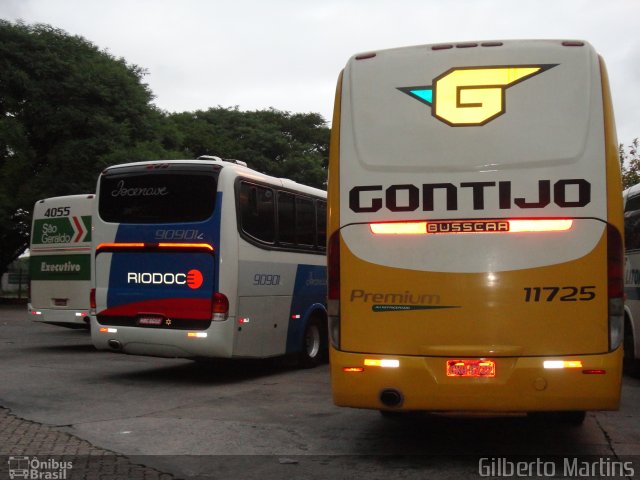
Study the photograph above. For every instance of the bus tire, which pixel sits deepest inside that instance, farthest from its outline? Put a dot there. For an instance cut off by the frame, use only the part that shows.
(314, 344)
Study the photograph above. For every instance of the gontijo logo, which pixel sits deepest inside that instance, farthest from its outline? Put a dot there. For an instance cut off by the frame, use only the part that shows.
(193, 278)
(472, 96)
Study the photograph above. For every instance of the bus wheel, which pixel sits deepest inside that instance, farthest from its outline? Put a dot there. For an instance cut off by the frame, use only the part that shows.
(314, 345)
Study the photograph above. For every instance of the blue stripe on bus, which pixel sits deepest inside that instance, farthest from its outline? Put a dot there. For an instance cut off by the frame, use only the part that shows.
(122, 263)
(309, 295)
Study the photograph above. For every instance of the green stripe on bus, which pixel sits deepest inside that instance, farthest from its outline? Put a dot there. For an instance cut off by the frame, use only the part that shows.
(60, 267)
(56, 231)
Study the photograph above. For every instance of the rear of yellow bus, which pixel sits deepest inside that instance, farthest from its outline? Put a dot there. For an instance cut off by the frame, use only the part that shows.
(475, 220)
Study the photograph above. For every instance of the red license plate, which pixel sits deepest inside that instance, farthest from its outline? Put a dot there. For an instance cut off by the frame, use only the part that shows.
(471, 368)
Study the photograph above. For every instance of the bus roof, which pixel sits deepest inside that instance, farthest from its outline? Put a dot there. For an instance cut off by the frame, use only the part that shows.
(239, 168)
(531, 103)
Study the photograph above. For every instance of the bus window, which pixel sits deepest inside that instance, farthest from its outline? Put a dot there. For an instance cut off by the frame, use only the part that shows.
(257, 212)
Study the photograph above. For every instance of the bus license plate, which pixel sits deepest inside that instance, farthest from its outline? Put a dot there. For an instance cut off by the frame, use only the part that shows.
(471, 368)
(154, 320)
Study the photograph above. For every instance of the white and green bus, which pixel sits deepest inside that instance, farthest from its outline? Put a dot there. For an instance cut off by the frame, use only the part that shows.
(59, 265)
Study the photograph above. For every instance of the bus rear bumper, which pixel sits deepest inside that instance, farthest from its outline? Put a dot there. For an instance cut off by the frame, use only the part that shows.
(216, 341)
(76, 318)
(521, 384)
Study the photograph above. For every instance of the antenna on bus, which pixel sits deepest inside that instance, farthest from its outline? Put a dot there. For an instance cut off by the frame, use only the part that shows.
(237, 162)
(218, 159)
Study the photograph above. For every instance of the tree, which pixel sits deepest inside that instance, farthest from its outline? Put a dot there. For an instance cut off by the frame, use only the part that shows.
(282, 144)
(67, 110)
(630, 163)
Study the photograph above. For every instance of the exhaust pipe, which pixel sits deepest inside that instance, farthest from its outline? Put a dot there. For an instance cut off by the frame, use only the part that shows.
(390, 397)
(114, 344)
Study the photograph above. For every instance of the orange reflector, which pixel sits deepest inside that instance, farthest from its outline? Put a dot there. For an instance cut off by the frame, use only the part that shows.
(562, 364)
(138, 246)
(353, 369)
(204, 246)
(116, 246)
(108, 330)
(471, 226)
(381, 362)
(197, 334)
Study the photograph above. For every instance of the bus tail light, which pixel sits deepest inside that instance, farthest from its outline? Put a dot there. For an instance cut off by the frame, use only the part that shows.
(219, 307)
(536, 225)
(92, 301)
(333, 295)
(615, 267)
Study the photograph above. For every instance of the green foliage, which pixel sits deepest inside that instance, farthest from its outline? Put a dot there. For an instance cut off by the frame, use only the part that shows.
(278, 143)
(630, 163)
(67, 110)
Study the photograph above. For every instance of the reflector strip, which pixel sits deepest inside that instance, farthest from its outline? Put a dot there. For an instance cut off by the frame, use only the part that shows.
(140, 246)
(353, 369)
(384, 362)
(471, 226)
(108, 330)
(197, 334)
(594, 372)
(562, 364)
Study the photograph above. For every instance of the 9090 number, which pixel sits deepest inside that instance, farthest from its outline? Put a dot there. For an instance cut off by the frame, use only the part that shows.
(261, 279)
(562, 294)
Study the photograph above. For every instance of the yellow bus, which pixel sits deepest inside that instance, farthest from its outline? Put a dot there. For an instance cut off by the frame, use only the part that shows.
(475, 215)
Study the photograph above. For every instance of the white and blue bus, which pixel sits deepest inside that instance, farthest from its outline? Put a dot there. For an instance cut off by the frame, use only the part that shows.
(208, 259)
(631, 198)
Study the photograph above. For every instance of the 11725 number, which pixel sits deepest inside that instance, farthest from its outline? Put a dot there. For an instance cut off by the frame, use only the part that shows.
(562, 294)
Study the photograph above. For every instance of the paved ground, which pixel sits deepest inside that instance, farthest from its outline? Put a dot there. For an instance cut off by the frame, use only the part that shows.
(20, 438)
(118, 417)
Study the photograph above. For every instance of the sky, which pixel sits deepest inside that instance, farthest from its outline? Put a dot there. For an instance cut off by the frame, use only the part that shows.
(287, 54)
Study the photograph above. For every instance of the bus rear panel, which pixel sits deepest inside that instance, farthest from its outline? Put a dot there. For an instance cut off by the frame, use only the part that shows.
(190, 262)
(59, 262)
(475, 230)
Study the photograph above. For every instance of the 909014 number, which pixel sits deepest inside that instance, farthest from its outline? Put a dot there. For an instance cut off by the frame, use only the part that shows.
(562, 294)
